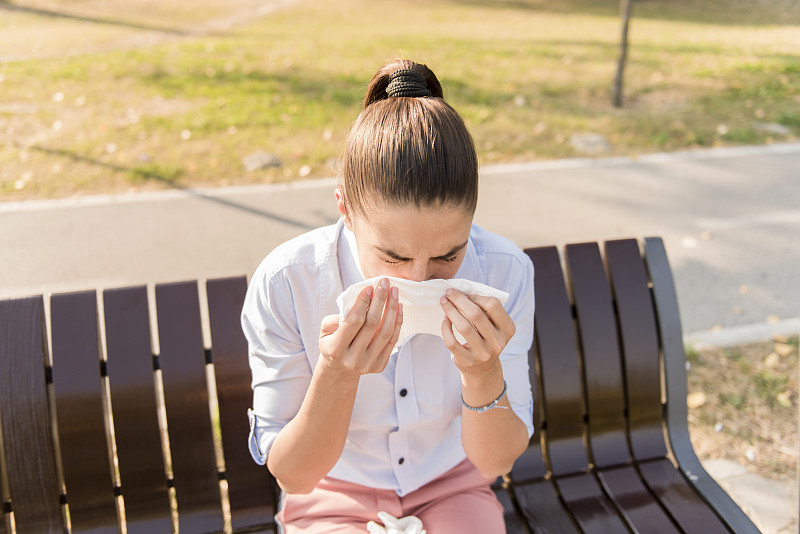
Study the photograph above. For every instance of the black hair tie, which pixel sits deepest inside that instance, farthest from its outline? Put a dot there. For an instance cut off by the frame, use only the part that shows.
(407, 82)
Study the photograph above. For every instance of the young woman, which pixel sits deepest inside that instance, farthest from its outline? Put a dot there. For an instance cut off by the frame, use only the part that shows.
(347, 422)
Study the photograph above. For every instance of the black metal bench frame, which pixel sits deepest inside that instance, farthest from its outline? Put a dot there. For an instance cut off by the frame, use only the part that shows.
(611, 452)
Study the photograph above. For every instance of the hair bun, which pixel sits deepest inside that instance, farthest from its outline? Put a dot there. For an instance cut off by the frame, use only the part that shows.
(407, 82)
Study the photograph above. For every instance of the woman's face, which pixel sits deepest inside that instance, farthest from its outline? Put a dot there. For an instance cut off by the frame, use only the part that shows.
(411, 242)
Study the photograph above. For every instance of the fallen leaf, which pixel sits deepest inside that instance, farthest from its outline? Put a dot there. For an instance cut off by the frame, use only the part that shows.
(743, 290)
(696, 399)
(780, 338)
(772, 319)
(772, 361)
(784, 398)
(783, 349)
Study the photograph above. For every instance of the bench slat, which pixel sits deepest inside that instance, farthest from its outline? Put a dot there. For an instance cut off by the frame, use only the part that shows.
(682, 502)
(80, 414)
(671, 336)
(133, 400)
(249, 486)
(602, 370)
(635, 501)
(514, 524)
(26, 425)
(543, 510)
(640, 348)
(530, 465)
(183, 365)
(590, 506)
(2, 492)
(560, 376)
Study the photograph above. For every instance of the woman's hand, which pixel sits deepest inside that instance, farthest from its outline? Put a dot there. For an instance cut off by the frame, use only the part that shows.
(363, 341)
(492, 440)
(484, 324)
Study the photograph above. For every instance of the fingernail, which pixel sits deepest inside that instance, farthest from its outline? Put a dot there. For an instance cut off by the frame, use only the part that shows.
(369, 291)
(385, 283)
(400, 310)
(449, 292)
(395, 292)
(444, 300)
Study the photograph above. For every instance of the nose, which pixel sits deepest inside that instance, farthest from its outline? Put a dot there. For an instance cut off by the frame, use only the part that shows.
(417, 271)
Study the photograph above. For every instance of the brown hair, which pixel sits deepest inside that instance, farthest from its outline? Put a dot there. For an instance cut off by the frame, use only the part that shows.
(408, 150)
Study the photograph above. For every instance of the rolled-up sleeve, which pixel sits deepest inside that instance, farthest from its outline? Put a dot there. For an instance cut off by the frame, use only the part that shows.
(280, 369)
(520, 307)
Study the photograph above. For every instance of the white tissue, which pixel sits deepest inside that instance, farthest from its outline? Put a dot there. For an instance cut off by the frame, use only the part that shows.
(422, 311)
(393, 525)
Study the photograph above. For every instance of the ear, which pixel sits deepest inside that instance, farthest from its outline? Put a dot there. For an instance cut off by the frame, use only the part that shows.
(343, 208)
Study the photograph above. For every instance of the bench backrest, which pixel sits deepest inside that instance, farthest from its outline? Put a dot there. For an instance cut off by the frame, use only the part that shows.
(130, 405)
(170, 402)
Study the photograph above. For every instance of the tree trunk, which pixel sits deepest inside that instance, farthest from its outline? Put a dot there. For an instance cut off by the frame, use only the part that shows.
(625, 8)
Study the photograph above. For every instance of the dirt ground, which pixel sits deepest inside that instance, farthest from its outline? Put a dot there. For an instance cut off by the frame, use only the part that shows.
(743, 406)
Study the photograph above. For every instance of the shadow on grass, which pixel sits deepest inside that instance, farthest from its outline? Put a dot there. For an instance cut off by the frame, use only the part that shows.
(6, 5)
(295, 82)
(726, 12)
(169, 178)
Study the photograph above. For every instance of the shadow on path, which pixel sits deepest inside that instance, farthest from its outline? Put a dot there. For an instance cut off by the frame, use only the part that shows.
(152, 175)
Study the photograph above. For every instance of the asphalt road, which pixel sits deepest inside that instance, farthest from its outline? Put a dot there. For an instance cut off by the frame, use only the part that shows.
(730, 219)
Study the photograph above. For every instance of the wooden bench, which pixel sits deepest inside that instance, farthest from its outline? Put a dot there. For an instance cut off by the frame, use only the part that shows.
(170, 363)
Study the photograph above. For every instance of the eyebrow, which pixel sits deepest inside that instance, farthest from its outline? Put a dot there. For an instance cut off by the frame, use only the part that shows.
(452, 252)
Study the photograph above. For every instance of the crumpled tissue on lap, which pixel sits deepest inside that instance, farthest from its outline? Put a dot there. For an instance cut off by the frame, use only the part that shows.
(394, 525)
(422, 311)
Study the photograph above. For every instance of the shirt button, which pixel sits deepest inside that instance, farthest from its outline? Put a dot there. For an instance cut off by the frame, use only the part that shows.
(403, 392)
(401, 460)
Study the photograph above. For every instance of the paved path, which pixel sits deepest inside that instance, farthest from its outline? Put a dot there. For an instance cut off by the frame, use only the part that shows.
(730, 219)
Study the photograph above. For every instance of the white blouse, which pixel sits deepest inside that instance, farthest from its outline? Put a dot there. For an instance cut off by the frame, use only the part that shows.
(405, 429)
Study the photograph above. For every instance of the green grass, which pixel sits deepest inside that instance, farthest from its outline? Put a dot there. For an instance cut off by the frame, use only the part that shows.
(526, 75)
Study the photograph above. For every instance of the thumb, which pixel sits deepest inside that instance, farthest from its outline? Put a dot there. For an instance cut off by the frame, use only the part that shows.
(330, 324)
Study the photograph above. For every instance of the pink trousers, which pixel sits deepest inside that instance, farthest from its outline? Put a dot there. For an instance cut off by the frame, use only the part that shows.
(458, 502)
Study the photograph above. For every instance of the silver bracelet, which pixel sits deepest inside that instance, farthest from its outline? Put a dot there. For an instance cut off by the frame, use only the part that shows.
(489, 406)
